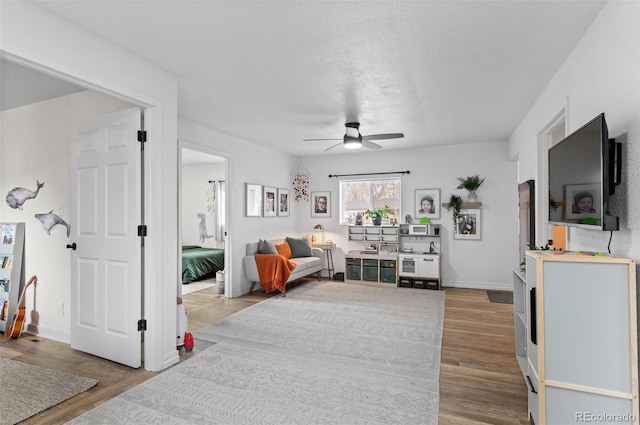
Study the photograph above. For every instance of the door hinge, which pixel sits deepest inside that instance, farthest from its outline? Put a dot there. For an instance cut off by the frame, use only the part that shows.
(142, 136)
(142, 230)
(142, 325)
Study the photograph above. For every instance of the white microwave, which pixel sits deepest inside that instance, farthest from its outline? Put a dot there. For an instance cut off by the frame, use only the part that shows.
(419, 229)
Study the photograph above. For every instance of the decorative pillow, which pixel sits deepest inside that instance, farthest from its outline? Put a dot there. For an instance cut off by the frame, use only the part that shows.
(284, 249)
(299, 247)
(266, 247)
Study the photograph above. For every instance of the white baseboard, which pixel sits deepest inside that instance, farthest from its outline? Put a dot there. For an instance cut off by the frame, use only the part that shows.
(44, 332)
(492, 286)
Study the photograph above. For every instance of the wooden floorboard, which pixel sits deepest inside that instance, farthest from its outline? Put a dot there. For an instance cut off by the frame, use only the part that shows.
(480, 382)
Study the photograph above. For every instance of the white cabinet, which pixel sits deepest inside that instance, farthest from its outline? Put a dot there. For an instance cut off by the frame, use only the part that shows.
(579, 313)
(429, 266)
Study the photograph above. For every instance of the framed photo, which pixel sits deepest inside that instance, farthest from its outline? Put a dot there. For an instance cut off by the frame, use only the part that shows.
(427, 203)
(469, 224)
(283, 202)
(320, 204)
(581, 200)
(253, 200)
(268, 201)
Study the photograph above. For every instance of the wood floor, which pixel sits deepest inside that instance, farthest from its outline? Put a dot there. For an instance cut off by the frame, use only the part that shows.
(480, 382)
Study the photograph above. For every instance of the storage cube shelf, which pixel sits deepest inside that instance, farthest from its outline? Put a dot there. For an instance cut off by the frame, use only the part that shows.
(576, 335)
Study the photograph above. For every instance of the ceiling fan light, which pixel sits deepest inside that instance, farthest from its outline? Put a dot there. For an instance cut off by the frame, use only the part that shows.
(352, 143)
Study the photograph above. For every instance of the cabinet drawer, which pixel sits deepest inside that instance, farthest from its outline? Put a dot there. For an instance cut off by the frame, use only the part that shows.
(388, 275)
(354, 262)
(388, 264)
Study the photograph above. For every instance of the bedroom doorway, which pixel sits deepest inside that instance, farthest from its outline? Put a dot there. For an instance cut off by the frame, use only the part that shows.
(203, 220)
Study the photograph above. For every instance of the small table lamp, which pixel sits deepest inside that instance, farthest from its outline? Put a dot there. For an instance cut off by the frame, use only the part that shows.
(320, 227)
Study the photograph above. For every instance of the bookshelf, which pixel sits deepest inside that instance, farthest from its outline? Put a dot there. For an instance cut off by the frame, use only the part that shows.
(11, 270)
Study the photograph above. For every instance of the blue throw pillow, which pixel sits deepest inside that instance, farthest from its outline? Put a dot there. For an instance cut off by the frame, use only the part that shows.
(266, 247)
(299, 247)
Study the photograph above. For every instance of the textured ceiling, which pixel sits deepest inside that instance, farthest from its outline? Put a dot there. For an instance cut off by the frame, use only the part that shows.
(275, 73)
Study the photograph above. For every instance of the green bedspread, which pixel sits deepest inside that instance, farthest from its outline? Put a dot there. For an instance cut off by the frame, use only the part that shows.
(198, 262)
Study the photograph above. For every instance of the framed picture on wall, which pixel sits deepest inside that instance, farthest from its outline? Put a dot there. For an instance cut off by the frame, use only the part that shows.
(320, 204)
(283, 202)
(427, 203)
(469, 224)
(268, 201)
(253, 200)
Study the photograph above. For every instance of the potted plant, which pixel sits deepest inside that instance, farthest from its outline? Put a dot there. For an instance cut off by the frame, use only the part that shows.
(455, 205)
(471, 184)
(377, 214)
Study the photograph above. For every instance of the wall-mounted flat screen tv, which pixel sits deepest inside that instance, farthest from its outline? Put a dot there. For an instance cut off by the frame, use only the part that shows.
(584, 170)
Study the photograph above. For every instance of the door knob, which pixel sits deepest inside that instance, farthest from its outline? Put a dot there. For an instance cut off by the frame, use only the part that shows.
(72, 246)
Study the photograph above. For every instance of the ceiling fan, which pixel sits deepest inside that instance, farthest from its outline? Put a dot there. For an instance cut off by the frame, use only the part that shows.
(353, 139)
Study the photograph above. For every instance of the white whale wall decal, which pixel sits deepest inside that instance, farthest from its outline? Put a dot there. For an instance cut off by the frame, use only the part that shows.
(17, 196)
(51, 220)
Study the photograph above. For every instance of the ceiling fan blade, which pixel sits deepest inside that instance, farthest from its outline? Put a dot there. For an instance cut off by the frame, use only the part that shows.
(317, 140)
(334, 146)
(370, 145)
(383, 136)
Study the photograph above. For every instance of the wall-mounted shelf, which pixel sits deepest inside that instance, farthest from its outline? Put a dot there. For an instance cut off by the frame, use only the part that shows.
(466, 204)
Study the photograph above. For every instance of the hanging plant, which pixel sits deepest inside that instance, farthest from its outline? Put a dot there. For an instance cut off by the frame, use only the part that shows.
(455, 205)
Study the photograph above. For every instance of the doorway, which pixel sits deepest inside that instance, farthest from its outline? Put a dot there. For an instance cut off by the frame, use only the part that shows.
(203, 219)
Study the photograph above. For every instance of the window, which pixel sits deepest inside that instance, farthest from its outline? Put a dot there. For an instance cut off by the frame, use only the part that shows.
(357, 196)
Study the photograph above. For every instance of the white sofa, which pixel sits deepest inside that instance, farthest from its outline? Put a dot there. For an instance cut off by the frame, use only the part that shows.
(305, 266)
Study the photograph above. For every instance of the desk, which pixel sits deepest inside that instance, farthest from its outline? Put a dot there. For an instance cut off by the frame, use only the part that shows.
(328, 255)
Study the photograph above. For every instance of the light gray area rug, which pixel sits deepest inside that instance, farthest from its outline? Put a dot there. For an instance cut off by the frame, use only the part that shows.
(327, 353)
(26, 390)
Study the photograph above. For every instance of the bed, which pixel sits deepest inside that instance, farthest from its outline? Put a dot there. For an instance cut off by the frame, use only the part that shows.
(199, 262)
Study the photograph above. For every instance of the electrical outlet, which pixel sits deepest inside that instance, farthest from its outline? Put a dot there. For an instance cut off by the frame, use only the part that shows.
(61, 309)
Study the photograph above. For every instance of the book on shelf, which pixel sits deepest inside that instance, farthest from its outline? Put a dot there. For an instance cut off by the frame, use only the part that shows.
(5, 310)
(8, 234)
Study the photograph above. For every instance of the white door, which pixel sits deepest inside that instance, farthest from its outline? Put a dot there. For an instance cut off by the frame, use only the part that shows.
(106, 264)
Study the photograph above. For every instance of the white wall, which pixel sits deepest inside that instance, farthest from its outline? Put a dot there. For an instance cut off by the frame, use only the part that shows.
(36, 141)
(195, 184)
(485, 263)
(602, 74)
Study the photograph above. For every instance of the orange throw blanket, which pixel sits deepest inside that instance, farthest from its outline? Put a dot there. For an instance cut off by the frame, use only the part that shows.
(274, 271)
